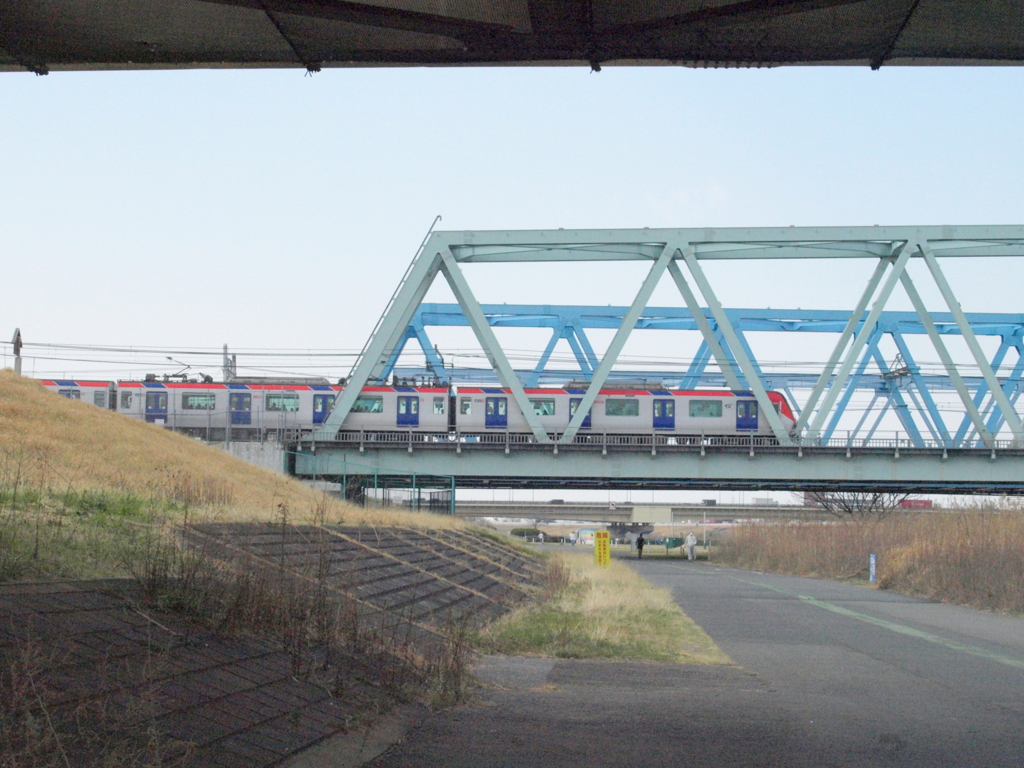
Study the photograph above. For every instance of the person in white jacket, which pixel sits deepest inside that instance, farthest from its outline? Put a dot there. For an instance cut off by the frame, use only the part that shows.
(691, 546)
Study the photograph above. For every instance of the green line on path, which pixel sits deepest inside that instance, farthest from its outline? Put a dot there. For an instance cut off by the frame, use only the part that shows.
(892, 626)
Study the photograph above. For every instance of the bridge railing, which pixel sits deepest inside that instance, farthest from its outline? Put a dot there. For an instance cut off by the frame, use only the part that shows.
(490, 440)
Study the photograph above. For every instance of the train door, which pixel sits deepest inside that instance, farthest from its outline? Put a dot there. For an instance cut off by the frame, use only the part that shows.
(574, 403)
(156, 407)
(408, 411)
(496, 413)
(322, 405)
(664, 414)
(241, 408)
(746, 415)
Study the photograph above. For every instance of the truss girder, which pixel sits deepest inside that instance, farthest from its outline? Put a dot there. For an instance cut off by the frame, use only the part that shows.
(611, 355)
(722, 330)
(499, 362)
(929, 411)
(995, 389)
(738, 349)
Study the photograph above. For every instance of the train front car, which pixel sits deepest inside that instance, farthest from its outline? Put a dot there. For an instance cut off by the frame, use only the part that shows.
(716, 412)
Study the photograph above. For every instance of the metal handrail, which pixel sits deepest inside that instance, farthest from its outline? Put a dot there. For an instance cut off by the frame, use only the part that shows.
(639, 441)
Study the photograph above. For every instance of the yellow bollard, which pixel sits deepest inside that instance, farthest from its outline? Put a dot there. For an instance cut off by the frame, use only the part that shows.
(602, 548)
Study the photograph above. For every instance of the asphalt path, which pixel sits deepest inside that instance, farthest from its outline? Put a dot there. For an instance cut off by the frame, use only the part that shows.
(826, 674)
(870, 674)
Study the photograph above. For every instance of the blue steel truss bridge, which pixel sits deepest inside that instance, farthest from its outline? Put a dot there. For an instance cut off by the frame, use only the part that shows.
(946, 427)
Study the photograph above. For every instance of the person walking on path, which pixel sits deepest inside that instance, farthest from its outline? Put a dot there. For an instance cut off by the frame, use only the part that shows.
(691, 546)
(640, 541)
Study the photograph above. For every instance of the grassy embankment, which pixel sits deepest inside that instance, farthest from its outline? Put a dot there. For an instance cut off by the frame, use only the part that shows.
(969, 557)
(82, 488)
(600, 613)
(87, 493)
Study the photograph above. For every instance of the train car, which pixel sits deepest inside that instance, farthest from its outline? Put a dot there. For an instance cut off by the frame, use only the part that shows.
(424, 409)
(205, 408)
(258, 410)
(99, 393)
(618, 411)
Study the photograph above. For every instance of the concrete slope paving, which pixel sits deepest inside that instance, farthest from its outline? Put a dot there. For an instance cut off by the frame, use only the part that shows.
(98, 647)
(872, 675)
(827, 674)
(99, 661)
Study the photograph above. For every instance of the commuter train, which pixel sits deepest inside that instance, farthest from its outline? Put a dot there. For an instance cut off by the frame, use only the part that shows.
(258, 410)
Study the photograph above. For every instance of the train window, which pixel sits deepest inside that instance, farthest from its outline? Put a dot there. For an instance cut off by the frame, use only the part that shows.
(543, 407)
(241, 401)
(438, 405)
(664, 409)
(70, 394)
(126, 400)
(100, 399)
(465, 406)
(614, 406)
(205, 402)
(778, 408)
(156, 402)
(284, 401)
(705, 409)
(408, 405)
(368, 405)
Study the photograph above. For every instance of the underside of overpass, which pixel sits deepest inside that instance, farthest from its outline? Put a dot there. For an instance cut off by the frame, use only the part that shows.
(44, 35)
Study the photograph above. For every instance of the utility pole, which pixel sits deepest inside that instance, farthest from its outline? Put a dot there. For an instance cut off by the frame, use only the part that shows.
(226, 366)
(16, 341)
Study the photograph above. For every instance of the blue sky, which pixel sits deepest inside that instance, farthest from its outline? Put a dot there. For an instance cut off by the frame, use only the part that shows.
(271, 209)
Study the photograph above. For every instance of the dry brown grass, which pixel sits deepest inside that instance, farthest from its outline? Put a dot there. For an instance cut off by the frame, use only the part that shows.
(970, 557)
(56, 445)
(74, 444)
(601, 612)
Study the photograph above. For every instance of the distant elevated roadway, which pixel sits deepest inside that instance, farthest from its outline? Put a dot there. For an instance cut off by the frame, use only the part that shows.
(632, 513)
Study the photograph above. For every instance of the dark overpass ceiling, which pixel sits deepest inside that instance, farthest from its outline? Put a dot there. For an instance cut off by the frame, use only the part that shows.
(43, 35)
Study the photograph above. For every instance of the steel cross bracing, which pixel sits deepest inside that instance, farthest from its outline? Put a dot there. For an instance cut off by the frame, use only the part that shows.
(907, 391)
(987, 400)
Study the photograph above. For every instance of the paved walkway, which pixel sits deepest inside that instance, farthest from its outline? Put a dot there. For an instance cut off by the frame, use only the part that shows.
(828, 674)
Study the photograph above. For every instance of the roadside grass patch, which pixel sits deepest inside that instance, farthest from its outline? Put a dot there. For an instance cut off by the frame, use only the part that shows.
(590, 612)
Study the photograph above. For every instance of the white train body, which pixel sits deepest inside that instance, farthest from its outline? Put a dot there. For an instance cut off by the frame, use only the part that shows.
(616, 411)
(98, 393)
(257, 410)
